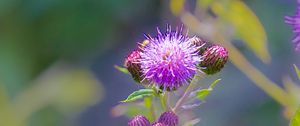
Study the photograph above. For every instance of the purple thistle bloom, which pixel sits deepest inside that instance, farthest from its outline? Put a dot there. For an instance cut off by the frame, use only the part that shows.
(158, 124)
(295, 22)
(139, 120)
(168, 118)
(170, 59)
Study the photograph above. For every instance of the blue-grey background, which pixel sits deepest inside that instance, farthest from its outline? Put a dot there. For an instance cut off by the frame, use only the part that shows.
(97, 34)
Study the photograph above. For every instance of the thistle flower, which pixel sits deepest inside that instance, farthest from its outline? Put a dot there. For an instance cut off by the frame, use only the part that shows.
(133, 65)
(139, 120)
(295, 22)
(214, 59)
(158, 124)
(168, 118)
(169, 60)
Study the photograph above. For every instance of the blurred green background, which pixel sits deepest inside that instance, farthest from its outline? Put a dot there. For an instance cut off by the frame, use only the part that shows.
(57, 58)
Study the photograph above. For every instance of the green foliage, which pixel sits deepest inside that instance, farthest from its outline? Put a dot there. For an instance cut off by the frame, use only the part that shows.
(246, 24)
(212, 85)
(295, 121)
(202, 94)
(148, 104)
(139, 94)
(122, 69)
(297, 71)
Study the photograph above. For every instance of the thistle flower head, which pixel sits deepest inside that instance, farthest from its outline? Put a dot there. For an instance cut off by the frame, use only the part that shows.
(158, 124)
(168, 118)
(139, 120)
(133, 65)
(214, 59)
(169, 60)
(295, 22)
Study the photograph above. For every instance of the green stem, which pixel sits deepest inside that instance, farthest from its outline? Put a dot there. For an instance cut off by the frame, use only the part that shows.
(152, 112)
(167, 98)
(162, 101)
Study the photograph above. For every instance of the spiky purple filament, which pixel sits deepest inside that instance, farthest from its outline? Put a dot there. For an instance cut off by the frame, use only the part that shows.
(295, 22)
(170, 59)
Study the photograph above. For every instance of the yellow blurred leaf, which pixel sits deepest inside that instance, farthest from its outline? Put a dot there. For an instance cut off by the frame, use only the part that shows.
(78, 89)
(176, 6)
(204, 3)
(292, 88)
(9, 117)
(70, 89)
(246, 24)
(295, 121)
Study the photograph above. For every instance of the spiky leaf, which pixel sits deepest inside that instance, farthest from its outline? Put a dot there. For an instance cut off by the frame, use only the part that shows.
(122, 69)
(202, 94)
(297, 71)
(139, 94)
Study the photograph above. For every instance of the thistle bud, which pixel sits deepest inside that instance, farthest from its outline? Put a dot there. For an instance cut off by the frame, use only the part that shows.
(201, 43)
(214, 59)
(168, 118)
(158, 124)
(139, 120)
(133, 65)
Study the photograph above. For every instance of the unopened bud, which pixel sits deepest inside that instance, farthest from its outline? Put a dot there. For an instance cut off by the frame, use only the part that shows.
(139, 120)
(168, 118)
(214, 59)
(158, 124)
(133, 65)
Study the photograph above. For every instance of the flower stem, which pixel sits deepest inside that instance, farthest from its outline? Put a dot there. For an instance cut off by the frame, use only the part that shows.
(167, 98)
(152, 112)
(195, 80)
(162, 100)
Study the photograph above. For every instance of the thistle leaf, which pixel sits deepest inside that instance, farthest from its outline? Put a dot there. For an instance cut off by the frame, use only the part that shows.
(202, 94)
(139, 94)
(297, 71)
(212, 85)
(122, 69)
